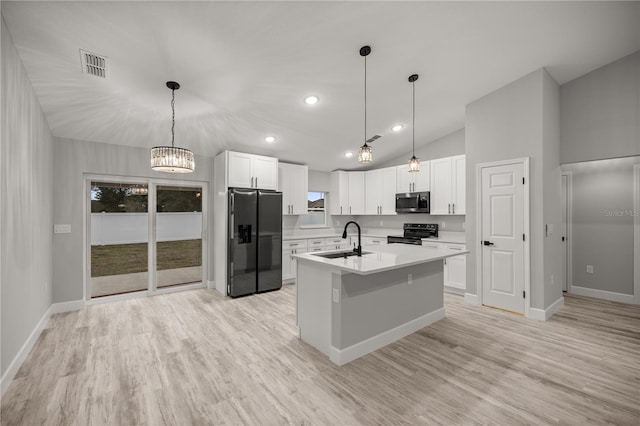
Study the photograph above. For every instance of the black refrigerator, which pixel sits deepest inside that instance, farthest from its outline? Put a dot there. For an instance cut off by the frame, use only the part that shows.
(255, 241)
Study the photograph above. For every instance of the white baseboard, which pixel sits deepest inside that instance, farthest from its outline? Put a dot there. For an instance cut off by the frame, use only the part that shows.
(74, 305)
(454, 290)
(15, 365)
(545, 314)
(471, 299)
(343, 356)
(602, 294)
(211, 284)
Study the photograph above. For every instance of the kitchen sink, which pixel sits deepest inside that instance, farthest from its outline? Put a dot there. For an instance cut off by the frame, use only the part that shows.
(339, 254)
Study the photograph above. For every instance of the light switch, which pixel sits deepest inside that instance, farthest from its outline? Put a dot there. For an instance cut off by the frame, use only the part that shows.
(62, 229)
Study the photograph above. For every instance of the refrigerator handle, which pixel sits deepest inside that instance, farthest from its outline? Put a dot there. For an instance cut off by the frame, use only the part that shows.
(231, 217)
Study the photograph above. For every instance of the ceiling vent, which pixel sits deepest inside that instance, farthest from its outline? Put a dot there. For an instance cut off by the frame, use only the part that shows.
(92, 64)
(374, 138)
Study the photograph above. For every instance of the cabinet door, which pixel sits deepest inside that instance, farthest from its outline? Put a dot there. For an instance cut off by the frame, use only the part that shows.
(265, 172)
(298, 188)
(456, 272)
(356, 193)
(372, 183)
(339, 196)
(422, 178)
(287, 265)
(441, 186)
(459, 185)
(404, 179)
(387, 190)
(239, 170)
(283, 186)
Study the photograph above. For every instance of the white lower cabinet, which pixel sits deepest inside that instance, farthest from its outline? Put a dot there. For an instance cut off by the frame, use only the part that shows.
(372, 241)
(288, 263)
(455, 268)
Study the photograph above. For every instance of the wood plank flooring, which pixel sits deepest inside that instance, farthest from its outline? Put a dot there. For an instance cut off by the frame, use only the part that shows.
(198, 358)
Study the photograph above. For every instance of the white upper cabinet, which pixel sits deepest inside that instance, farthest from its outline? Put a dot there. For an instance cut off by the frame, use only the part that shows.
(252, 171)
(380, 194)
(347, 193)
(413, 181)
(448, 185)
(293, 183)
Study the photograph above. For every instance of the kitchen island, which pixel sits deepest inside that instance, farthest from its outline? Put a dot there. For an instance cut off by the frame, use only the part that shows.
(347, 307)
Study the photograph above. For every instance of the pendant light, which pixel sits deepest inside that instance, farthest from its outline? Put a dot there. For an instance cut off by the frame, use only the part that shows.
(169, 158)
(364, 153)
(414, 162)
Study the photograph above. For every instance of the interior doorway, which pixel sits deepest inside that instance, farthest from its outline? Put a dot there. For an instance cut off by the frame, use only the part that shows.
(503, 232)
(144, 236)
(565, 184)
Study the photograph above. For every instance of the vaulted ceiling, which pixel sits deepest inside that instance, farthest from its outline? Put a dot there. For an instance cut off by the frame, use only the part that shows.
(245, 68)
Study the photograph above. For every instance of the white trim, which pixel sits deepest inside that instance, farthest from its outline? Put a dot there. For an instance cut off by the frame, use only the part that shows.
(454, 290)
(545, 314)
(22, 354)
(602, 294)
(472, 299)
(211, 285)
(569, 225)
(177, 288)
(73, 305)
(343, 356)
(526, 227)
(636, 234)
(117, 297)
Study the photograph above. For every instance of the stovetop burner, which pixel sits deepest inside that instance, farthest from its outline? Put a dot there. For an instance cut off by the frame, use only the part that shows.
(414, 232)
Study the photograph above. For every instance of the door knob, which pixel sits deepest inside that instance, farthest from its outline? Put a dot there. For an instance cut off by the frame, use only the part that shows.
(487, 243)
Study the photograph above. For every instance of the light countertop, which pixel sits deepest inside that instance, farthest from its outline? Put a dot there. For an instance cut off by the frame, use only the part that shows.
(382, 257)
(443, 236)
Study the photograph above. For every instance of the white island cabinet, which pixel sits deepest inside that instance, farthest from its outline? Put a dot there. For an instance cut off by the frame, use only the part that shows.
(349, 307)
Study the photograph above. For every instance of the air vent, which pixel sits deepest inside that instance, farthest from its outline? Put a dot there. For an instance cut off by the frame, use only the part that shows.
(93, 64)
(374, 138)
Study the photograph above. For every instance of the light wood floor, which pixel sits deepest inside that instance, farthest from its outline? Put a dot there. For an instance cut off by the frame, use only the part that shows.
(198, 358)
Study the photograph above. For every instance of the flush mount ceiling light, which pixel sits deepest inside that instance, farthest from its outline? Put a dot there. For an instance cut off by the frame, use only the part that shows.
(270, 139)
(169, 158)
(414, 162)
(311, 100)
(348, 154)
(364, 153)
(397, 127)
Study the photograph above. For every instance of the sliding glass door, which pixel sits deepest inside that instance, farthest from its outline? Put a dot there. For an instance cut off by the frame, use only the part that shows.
(178, 235)
(144, 235)
(119, 228)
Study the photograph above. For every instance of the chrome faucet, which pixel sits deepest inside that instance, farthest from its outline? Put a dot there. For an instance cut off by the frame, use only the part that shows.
(358, 249)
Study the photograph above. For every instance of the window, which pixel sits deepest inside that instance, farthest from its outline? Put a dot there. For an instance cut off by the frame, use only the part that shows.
(316, 216)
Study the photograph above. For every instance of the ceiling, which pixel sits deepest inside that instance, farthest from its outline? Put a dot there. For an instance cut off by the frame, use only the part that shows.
(245, 68)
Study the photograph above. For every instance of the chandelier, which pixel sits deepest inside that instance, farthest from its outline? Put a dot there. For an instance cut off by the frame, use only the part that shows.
(414, 162)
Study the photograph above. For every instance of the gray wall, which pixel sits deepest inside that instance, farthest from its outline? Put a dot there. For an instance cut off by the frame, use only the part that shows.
(601, 237)
(506, 124)
(319, 181)
(73, 159)
(447, 146)
(25, 198)
(600, 113)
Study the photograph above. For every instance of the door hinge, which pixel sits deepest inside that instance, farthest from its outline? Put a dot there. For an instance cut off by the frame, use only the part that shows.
(523, 181)
(523, 237)
(524, 294)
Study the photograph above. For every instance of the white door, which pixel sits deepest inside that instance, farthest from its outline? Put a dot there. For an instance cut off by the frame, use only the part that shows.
(422, 178)
(298, 189)
(240, 171)
(563, 230)
(459, 184)
(372, 182)
(387, 190)
(456, 272)
(356, 193)
(404, 179)
(502, 231)
(265, 172)
(441, 186)
(284, 187)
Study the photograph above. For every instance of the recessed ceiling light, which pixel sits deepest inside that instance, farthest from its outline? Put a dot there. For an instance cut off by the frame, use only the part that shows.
(397, 127)
(311, 100)
(270, 139)
(348, 154)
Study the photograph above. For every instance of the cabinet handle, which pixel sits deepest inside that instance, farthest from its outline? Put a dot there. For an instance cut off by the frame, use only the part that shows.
(445, 261)
(449, 208)
(349, 209)
(453, 208)
(296, 244)
(340, 209)
(256, 181)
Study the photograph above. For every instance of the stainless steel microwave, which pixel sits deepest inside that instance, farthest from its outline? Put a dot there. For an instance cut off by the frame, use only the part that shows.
(413, 202)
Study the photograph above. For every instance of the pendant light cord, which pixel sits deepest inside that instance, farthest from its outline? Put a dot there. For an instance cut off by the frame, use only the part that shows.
(365, 100)
(173, 116)
(413, 126)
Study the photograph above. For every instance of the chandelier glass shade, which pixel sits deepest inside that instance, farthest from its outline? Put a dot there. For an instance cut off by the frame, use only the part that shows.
(364, 154)
(172, 159)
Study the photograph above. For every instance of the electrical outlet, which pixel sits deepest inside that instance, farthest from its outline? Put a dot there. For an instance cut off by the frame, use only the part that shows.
(443, 225)
(61, 229)
(589, 269)
(381, 223)
(410, 279)
(336, 295)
